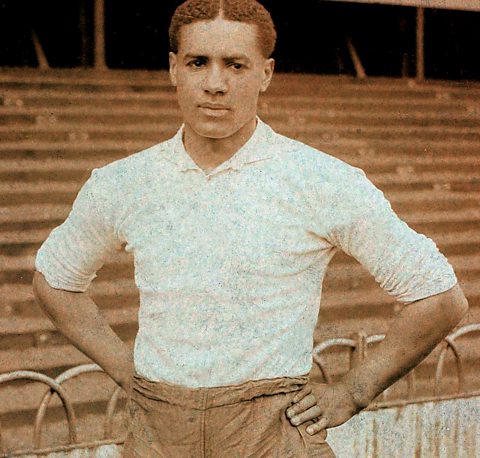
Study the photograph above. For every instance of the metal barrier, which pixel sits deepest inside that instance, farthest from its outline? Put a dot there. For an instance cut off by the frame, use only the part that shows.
(67, 375)
(55, 387)
(449, 342)
(358, 346)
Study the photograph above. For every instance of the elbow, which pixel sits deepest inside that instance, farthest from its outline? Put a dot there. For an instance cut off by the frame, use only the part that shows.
(454, 305)
(43, 294)
(38, 286)
(462, 307)
(53, 302)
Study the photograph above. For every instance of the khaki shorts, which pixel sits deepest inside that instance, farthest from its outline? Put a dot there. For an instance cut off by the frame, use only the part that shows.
(233, 421)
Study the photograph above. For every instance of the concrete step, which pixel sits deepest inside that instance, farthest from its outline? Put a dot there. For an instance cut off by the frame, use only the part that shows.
(362, 148)
(363, 300)
(17, 90)
(156, 77)
(17, 434)
(282, 121)
(462, 251)
(372, 297)
(154, 131)
(448, 242)
(300, 84)
(60, 166)
(31, 196)
(118, 288)
(98, 387)
(336, 303)
(353, 275)
(83, 117)
(30, 236)
(62, 187)
(24, 239)
(417, 143)
(19, 325)
(17, 174)
(420, 134)
(91, 415)
(52, 358)
(91, 424)
(409, 176)
(438, 176)
(344, 274)
(45, 107)
(86, 85)
(18, 430)
(53, 212)
(50, 104)
(82, 391)
(51, 167)
(322, 138)
(52, 149)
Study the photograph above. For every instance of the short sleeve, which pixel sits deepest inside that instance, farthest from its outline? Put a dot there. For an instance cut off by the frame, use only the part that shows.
(75, 250)
(406, 264)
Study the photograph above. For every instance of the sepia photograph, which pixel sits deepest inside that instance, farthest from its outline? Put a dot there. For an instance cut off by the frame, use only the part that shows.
(240, 229)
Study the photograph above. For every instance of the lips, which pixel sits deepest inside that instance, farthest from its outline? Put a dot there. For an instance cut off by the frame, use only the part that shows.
(213, 106)
(214, 109)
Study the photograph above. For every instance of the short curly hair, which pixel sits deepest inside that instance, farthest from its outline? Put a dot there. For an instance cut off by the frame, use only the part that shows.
(249, 11)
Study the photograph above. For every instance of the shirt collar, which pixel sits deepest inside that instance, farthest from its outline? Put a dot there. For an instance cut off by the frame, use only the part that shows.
(255, 149)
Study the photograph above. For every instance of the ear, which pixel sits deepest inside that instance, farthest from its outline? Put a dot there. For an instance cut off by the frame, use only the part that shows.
(172, 60)
(267, 74)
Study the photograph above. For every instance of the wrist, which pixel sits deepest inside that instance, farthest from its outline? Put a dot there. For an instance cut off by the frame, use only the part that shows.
(123, 373)
(358, 392)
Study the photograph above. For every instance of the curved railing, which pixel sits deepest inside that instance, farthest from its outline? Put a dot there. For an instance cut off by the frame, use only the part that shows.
(358, 346)
(55, 386)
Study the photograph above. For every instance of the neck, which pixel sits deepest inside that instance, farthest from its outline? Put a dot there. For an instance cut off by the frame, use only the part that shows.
(211, 152)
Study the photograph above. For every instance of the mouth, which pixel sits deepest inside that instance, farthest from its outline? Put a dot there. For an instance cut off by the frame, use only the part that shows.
(214, 110)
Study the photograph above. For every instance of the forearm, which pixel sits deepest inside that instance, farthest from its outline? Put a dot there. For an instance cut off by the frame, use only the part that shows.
(415, 332)
(78, 318)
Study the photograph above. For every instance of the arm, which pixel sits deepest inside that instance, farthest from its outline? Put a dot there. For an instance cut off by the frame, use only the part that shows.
(408, 266)
(77, 317)
(415, 332)
(67, 262)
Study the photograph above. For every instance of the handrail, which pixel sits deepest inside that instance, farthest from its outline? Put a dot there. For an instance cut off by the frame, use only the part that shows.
(37, 377)
(450, 343)
(357, 346)
(64, 376)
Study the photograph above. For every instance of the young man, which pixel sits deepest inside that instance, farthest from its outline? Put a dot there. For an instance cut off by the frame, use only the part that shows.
(232, 227)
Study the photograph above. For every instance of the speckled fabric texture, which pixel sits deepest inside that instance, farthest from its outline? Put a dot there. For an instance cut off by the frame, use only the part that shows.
(236, 421)
(230, 263)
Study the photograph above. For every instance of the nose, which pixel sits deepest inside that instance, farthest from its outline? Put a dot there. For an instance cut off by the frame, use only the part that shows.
(215, 80)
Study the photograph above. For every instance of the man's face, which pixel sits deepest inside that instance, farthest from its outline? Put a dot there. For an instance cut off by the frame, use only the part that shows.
(219, 71)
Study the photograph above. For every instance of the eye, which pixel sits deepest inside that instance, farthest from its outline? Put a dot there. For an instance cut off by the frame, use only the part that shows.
(236, 65)
(196, 63)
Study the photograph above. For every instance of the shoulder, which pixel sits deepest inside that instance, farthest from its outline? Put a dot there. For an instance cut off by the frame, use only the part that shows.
(115, 183)
(313, 164)
(328, 183)
(137, 166)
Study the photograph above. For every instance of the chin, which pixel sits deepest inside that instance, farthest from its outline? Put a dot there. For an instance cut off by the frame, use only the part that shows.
(209, 130)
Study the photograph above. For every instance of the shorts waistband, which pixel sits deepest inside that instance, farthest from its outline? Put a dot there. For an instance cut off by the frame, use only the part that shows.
(207, 397)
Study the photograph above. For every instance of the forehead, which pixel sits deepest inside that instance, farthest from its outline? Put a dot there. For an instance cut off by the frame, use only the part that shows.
(219, 37)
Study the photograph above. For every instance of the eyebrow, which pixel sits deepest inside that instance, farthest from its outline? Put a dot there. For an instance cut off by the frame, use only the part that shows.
(225, 59)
